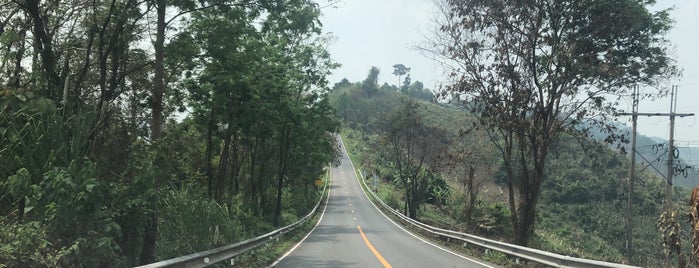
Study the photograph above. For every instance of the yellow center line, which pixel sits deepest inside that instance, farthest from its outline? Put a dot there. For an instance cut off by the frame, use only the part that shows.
(373, 250)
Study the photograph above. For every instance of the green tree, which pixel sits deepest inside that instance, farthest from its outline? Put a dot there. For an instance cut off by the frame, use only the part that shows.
(87, 133)
(370, 85)
(400, 70)
(413, 148)
(533, 69)
(343, 83)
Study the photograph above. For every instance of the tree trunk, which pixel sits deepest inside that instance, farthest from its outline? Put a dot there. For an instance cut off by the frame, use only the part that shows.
(407, 202)
(510, 180)
(412, 208)
(17, 73)
(223, 165)
(236, 165)
(151, 230)
(253, 184)
(45, 49)
(209, 152)
(472, 194)
(263, 183)
(159, 68)
(20, 209)
(281, 172)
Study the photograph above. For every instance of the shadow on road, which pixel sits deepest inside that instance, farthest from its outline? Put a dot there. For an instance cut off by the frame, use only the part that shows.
(303, 261)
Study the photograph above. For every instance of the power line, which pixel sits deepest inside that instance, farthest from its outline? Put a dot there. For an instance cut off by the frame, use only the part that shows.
(632, 169)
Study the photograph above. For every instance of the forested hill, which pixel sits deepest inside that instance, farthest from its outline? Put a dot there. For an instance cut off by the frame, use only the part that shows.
(460, 183)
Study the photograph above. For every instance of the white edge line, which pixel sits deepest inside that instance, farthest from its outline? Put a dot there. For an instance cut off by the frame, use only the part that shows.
(309, 233)
(396, 224)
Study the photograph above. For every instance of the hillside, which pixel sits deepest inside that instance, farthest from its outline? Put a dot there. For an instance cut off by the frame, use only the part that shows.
(582, 207)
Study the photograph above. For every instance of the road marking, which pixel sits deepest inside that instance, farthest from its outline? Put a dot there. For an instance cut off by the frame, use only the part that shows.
(373, 250)
(320, 219)
(357, 178)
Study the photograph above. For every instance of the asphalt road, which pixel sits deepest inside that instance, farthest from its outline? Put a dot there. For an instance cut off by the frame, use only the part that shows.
(353, 233)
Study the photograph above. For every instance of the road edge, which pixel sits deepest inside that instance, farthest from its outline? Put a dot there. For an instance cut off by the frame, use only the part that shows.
(320, 218)
(362, 186)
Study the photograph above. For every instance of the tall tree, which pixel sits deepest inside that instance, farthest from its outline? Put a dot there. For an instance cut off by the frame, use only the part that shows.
(533, 69)
(400, 70)
(370, 85)
(413, 147)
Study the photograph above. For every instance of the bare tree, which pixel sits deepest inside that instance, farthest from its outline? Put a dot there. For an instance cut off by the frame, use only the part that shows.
(532, 69)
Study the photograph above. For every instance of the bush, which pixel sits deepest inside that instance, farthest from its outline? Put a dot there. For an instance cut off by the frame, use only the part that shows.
(26, 245)
(390, 196)
(492, 219)
(69, 221)
(456, 204)
(192, 223)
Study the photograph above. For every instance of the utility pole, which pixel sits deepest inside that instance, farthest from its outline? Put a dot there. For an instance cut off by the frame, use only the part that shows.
(671, 148)
(632, 170)
(632, 176)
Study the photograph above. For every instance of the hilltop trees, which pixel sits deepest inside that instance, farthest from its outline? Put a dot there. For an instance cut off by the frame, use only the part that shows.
(370, 85)
(400, 70)
(532, 69)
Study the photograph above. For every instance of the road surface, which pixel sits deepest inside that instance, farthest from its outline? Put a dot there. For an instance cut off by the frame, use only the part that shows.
(353, 233)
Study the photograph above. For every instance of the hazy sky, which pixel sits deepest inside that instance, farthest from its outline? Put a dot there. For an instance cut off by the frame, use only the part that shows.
(382, 33)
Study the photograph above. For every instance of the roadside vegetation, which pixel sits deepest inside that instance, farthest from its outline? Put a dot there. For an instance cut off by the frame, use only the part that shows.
(138, 131)
(582, 209)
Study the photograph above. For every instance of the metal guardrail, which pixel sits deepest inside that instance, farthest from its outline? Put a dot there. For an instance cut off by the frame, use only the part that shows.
(535, 255)
(209, 257)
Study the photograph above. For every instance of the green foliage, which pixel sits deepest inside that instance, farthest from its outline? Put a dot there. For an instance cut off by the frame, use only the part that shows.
(184, 211)
(26, 245)
(390, 195)
(417, 90)
(75, 212)
(92, 154)
(492, 219)
(370, 85)
(437, 190)
(573, 241)
(495, 257)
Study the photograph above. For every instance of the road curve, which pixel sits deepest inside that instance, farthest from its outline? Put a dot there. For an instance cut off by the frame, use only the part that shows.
(353, 233)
